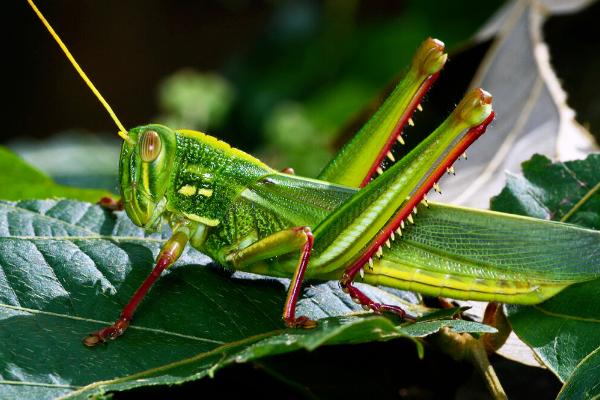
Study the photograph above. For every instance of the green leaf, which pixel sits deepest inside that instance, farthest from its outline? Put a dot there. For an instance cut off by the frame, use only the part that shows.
(67, 268)
(568, 192)
(584, 383)
(19, 180)
(565, 329)
(74, 158)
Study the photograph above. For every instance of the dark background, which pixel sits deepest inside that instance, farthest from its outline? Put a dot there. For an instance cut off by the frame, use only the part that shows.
(127, 47)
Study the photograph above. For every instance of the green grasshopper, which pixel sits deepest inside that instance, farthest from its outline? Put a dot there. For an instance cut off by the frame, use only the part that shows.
(349, 223)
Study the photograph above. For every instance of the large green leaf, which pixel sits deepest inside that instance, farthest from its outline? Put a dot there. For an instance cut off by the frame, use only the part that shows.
(584, 383)
(67, 268)
(74, 158)
(568, 192)
(565, 329)
(20, 180)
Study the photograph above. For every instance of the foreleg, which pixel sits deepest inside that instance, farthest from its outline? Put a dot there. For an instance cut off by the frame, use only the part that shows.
(108, 203)
(168, 255)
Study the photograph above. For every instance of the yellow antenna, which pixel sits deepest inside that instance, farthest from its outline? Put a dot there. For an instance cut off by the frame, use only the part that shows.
(122, 131)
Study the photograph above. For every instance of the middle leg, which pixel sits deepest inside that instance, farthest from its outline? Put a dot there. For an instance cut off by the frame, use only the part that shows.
(277, 244)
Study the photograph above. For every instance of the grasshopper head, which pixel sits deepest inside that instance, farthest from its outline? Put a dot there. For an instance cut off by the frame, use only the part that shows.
(144, 169)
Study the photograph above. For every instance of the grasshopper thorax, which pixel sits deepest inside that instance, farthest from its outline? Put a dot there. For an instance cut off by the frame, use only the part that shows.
(145, 167)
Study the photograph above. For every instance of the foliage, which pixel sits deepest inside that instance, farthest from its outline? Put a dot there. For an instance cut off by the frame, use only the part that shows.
(83, 264)
(19, 180)
(563, 330)
(194, 100)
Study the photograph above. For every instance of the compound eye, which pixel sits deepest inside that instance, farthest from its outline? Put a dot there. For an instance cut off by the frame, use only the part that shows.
(150, 146)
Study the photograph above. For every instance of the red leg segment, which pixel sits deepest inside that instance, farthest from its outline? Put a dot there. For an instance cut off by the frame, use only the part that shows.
(359, 297)
(397, 220)
(289, 309)
(169, 254)
(397, 132)
(111, 204)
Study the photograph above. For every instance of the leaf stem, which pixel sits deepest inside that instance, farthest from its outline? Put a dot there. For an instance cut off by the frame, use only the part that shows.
(463, 346)
(479, 358)
(580, 203)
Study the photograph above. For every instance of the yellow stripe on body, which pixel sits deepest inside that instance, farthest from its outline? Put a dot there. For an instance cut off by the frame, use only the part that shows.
(220, 145)
(430, 283)
(146, 177)
(205, 192)
(202, 220)
(187, 190)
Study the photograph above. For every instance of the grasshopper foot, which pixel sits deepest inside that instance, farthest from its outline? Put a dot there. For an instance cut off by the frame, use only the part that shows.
(360, 298)
(289, 171)
(301, 322)
(110, 204)
(381, 308)
(109, 333)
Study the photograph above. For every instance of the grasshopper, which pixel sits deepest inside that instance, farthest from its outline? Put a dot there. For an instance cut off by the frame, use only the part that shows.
(354, 222)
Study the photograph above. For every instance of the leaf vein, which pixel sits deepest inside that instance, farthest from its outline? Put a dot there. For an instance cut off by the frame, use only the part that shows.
(217, 305)
(9, 286)
(565, 316)
(56, 278)
(97, 321)
(83, 238)
(200, 356)
(41, 384)
(40, 215)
